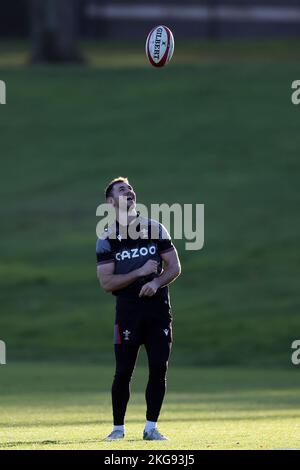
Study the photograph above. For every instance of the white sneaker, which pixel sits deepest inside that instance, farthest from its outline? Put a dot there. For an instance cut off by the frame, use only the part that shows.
(115, 436)
(154, 435)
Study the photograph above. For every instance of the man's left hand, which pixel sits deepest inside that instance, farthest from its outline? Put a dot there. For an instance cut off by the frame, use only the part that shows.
(149, 289)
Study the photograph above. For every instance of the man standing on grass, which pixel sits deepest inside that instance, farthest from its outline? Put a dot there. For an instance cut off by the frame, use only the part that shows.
(137, 270)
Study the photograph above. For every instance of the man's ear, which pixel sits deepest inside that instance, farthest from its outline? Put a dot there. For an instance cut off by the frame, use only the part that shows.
(110, 200)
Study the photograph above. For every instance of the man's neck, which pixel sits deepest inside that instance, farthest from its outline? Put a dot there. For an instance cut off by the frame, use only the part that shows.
(124, 218)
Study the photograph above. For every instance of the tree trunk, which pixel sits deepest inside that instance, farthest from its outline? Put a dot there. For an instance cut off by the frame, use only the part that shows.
(54, 31)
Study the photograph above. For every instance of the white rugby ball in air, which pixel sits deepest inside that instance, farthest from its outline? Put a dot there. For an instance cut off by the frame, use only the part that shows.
(160, 46)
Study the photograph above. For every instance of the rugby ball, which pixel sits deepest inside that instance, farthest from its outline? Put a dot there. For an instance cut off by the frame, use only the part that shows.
(160, 46)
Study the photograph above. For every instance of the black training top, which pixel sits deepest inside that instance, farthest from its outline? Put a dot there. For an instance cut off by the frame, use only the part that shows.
(131, 247)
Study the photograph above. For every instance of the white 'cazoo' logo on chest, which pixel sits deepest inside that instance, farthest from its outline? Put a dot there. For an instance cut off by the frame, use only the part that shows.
(135, 253)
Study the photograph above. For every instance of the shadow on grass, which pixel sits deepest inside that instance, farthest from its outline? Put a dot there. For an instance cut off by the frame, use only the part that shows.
(141, 421)
(59, 442)
(47, 442)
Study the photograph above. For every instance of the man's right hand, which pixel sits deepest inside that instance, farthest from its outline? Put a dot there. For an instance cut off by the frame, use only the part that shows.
(149, 267)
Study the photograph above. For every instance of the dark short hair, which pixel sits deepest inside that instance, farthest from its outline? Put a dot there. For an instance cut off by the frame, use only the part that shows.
(110, 186)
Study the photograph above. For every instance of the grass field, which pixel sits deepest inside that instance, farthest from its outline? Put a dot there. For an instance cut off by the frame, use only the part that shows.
(55, 406)
(222, 132)
(216, 127)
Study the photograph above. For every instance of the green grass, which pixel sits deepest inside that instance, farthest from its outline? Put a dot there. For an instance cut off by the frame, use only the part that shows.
(47, 406)
(220, 132)
(124, 54)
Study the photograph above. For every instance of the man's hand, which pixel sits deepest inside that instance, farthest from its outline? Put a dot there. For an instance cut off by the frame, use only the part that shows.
(111, 282)
(148, 268)
(170, 273)
(149, 289)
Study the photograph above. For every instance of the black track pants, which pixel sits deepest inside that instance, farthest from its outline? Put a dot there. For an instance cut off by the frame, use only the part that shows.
(126, 354)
